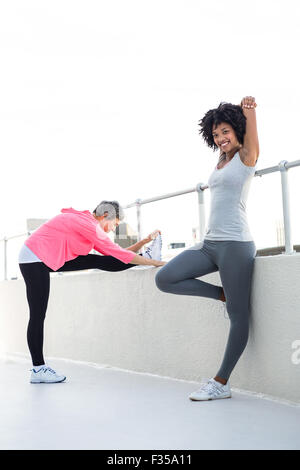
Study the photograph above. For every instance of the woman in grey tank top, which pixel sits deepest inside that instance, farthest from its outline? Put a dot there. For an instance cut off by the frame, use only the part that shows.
(228, 246)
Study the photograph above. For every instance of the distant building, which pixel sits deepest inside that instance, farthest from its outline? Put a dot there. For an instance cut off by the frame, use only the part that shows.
(175, 245)
(125, 235)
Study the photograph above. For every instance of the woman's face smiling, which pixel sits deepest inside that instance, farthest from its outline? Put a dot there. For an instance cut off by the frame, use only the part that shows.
(225, 138)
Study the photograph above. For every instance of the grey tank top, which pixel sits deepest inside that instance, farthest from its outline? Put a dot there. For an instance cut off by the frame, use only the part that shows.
(229, 187)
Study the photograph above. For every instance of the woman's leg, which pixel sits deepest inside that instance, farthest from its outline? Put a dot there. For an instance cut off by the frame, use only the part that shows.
(37, 280)
(178, 275)
(92, 261)
(236, 262)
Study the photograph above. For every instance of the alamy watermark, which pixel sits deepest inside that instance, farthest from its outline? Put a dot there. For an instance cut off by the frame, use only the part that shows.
(295, 358)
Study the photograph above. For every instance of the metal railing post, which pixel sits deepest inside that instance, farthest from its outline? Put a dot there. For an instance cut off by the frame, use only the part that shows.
(201, 210)
(286, 208)
(5, 258)
(138, 215)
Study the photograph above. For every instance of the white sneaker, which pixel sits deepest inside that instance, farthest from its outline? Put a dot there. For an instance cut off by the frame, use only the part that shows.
(45, 375)
(211, 390)
(154, 250)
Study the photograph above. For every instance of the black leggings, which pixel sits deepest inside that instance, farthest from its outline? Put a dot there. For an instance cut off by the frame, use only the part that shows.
(37, 280)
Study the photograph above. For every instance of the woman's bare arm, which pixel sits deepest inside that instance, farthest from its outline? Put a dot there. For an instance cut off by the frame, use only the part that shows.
(250, 148)
(137, 246)
(146, 262)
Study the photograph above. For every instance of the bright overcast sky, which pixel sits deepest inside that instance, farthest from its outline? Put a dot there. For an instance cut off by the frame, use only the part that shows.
(101, 100)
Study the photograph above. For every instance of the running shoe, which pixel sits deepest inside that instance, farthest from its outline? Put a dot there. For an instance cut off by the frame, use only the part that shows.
(45, 375)
(211, 390)
(154, 250)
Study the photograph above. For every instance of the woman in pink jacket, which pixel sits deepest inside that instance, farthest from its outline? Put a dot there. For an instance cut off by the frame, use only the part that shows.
(63, 243)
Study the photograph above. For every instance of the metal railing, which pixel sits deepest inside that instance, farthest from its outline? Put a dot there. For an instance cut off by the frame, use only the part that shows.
(5, 240)
(283, 166)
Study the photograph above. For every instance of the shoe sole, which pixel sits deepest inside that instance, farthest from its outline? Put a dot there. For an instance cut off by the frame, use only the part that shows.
(208, 399)
(47, 381)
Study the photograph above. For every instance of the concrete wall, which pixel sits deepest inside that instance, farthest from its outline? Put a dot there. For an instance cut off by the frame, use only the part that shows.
(123, 320)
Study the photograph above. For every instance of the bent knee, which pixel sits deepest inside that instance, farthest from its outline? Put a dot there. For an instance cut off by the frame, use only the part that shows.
(162, 282)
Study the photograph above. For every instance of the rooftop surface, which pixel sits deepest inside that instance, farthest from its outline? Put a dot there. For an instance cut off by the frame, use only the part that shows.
(101, 407)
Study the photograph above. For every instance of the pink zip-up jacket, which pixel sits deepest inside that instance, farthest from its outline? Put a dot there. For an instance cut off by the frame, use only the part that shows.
(70, 234)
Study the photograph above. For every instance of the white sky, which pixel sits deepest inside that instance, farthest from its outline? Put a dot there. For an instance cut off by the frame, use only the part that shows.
(101, 100)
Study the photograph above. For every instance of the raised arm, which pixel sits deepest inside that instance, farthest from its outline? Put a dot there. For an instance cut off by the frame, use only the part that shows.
(250, 150)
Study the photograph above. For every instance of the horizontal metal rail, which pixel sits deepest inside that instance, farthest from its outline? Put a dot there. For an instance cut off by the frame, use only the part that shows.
(283, 166)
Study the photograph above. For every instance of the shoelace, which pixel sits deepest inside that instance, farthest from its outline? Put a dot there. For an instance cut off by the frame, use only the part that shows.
(50, 370)
(211, 388)
(45, 370)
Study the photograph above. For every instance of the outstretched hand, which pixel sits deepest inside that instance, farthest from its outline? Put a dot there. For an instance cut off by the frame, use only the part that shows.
(152, 235)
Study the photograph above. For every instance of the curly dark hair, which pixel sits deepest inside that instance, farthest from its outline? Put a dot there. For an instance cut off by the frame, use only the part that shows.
(226, 112)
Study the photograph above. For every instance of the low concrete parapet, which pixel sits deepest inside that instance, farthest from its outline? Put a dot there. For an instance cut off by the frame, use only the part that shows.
(123, 320)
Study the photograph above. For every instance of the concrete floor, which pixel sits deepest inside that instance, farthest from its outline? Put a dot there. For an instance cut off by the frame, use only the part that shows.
(107, 408)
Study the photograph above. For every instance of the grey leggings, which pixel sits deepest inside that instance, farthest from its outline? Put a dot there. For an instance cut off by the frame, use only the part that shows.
(234, 260)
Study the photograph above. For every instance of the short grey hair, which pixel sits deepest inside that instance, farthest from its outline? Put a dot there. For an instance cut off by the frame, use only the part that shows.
(113, 209)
